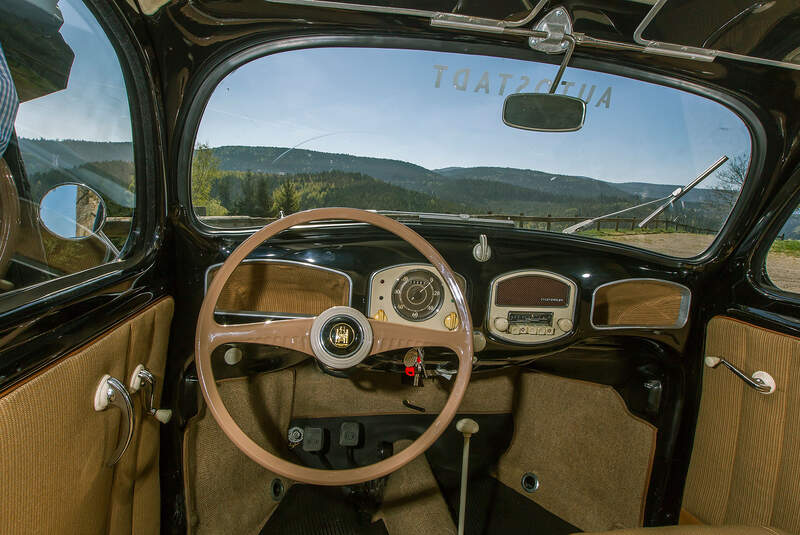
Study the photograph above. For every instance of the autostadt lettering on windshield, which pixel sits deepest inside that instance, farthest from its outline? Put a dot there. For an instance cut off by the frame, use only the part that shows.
(504, 83)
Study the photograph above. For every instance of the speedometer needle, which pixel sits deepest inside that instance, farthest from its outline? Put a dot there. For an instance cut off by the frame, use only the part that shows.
(420, 289)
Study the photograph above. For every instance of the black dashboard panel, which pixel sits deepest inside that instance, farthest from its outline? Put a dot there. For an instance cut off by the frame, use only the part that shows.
(360, 251)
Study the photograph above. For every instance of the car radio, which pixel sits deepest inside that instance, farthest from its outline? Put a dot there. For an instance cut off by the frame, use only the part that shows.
(531, 307)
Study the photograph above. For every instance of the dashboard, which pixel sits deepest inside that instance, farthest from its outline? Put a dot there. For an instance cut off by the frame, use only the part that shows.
(525, 306)
(537, 296)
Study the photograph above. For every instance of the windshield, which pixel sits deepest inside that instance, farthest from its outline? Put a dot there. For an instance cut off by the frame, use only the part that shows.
(422, 131)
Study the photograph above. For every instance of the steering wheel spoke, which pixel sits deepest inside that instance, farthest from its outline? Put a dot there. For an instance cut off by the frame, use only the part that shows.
(289, 334)
(389, 336)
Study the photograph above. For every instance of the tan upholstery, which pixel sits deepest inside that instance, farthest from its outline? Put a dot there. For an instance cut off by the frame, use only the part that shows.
(592, 456)
(226, 492)
(700, 530)
(412, 502)
(745, 466)
(642, 302)
(53, 444)
(283, 287)
(217, 475)
(319, 395)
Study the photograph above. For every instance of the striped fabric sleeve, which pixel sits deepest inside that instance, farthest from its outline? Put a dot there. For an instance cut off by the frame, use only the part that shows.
(9, 102)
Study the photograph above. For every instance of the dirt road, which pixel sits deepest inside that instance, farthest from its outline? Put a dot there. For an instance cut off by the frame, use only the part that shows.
(783, 269)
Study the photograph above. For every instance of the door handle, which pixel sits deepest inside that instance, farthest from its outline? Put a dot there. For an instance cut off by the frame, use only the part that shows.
(143, 379)
(111, 392)
(761, 382)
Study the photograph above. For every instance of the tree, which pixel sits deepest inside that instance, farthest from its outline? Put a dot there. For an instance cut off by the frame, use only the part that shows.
(256, 200)
(205, 173)
(731, 178)
(286, 198)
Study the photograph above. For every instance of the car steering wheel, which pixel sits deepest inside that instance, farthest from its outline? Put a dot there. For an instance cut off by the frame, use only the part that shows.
(326, 338)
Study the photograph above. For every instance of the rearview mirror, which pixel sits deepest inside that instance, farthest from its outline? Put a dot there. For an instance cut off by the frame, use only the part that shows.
(72, 211)
(544, 112)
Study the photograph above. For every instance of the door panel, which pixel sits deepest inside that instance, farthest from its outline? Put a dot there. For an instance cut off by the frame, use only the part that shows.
(54, 447)
(745, 466)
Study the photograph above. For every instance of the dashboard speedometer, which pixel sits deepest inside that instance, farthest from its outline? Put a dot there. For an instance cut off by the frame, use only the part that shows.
(417, 295)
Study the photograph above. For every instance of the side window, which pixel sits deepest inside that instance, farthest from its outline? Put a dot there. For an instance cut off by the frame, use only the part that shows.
(783, 259)
(67, 176)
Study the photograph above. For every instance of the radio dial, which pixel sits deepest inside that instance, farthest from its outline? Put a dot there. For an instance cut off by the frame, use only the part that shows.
(501, 324)
(565, 324)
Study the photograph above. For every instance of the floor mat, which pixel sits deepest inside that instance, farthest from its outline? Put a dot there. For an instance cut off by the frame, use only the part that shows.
(311, 510)
(495, 509)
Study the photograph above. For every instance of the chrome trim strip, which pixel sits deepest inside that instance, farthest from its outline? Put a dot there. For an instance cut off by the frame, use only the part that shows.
(281, 261)
(683, 314)
(572, 306)
(697, 53)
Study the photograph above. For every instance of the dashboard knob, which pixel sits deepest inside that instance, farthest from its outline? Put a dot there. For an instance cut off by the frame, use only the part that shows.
(565, 324)
(451, 321)
(501, 324)
(478, 341)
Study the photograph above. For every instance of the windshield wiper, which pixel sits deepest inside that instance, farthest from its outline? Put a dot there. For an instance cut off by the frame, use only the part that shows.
(671, 198)
(432, 217)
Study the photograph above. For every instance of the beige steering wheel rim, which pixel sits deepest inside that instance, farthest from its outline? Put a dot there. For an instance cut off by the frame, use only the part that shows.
(386, 336)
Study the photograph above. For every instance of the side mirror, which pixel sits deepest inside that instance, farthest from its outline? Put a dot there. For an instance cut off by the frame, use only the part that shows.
(544, 112)
(72, 211)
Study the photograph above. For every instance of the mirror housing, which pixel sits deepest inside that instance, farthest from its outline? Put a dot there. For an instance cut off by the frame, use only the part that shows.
(72, 211)
(544, 112)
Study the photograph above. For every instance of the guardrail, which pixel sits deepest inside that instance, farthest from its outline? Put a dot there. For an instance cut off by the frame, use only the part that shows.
(617, 223)
(120, 226)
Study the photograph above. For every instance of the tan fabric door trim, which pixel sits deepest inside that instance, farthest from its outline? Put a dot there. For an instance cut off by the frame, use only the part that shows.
(79, 350)
(745, 465)
(54, 445)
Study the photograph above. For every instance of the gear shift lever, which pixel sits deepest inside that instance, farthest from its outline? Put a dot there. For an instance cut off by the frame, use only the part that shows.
(466, 427)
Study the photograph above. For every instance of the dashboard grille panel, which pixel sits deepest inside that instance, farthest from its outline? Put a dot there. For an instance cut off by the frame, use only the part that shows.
(531, 291)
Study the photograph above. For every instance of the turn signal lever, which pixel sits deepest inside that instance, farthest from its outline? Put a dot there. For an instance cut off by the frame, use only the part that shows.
(142, 378)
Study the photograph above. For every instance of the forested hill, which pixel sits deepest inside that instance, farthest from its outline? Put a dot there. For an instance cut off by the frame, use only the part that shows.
(45, 154)
(552, 183)
(277, 160)
(325, 179)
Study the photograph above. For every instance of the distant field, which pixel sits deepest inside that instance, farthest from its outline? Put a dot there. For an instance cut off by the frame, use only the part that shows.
(783, 260)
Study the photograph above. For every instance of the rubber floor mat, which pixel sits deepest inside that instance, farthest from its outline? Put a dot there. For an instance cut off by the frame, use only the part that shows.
(495, 509)
(311, 510)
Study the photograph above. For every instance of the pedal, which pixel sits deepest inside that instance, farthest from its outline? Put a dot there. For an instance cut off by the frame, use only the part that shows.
(349, 434)
(313, 439)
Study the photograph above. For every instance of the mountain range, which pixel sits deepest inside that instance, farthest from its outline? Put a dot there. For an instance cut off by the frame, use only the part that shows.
(471, 189)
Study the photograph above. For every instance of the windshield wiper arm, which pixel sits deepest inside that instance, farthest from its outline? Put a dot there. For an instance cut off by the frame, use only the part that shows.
(680, 192)
(672, 197)
(587, 222)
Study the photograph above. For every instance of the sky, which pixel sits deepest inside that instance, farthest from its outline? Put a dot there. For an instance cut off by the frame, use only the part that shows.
(387, 104)
(433, 109)
(94, 106)
(57, 210)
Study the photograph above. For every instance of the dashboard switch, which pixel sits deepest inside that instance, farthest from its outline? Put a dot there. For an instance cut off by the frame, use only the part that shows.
(565, 324)
(501, 324)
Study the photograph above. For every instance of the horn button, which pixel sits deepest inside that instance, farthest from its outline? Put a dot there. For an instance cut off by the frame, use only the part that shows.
(341, 337)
